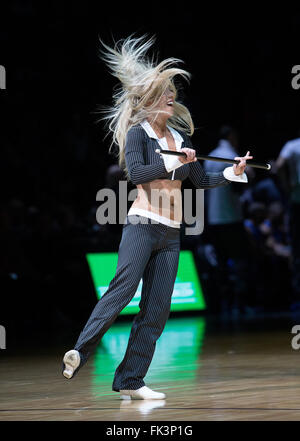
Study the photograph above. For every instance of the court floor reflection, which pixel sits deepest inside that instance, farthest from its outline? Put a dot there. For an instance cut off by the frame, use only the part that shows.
(176, 359)
(144, 407)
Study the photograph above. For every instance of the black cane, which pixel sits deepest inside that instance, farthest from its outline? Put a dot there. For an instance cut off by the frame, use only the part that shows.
(214, 158)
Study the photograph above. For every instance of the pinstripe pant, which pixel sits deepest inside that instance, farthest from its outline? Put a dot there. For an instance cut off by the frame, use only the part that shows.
(149, 252)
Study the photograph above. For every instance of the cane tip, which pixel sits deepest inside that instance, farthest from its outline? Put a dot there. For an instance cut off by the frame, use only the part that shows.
(269, 166)
(157, 151)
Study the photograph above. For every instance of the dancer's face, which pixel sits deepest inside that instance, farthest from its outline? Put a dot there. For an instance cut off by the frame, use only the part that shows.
(166, 102)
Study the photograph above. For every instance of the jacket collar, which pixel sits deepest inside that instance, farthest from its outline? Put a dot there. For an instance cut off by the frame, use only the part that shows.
(151, 133)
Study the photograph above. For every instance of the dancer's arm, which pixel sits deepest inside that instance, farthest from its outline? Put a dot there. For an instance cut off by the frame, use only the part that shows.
(202, 179)
(205, 180)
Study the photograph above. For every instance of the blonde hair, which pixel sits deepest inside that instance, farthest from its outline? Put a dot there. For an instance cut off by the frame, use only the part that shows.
(142, 83)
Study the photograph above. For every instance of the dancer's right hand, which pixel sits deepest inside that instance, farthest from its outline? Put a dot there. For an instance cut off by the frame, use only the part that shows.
(190, 156)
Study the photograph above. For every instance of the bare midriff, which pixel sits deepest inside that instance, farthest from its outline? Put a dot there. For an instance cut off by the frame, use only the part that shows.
(161, 196)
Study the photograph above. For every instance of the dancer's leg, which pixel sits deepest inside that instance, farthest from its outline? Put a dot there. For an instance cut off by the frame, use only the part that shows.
(158, 284)
(134, 252)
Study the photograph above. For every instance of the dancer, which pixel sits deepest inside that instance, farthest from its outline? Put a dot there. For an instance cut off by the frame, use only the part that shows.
(145, 115)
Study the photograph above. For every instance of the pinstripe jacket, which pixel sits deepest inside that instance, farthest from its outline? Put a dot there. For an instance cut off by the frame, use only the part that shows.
(145, 165)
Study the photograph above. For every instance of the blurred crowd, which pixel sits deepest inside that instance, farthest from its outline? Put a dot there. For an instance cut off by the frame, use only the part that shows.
(247, 257)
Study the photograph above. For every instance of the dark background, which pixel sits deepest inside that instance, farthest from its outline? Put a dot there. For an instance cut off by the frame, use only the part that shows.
(54, 157)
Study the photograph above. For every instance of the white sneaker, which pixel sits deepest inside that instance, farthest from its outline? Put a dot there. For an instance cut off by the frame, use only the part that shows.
(143, 393)
(71, 361)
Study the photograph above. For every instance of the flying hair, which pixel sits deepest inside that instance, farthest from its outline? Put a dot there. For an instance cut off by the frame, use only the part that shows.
(142, 82)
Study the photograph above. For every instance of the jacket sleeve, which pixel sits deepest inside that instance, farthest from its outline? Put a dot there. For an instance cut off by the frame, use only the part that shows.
(138, 171)
(199, 177)
(202, 179)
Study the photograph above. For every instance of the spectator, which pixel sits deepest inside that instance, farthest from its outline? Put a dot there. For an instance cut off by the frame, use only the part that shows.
(224, 216)
(288, 167)
(270, 254)
(266, 191)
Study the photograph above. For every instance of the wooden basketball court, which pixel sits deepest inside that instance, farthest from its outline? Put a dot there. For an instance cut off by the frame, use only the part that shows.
(210, 370)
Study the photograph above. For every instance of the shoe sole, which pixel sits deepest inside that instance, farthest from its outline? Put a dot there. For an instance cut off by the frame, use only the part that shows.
(71, 362)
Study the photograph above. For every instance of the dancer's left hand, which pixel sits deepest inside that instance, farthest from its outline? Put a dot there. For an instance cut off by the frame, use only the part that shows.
(240, 168)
